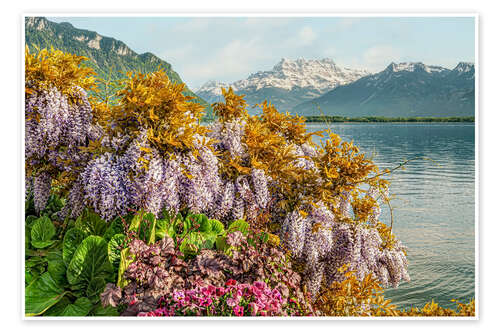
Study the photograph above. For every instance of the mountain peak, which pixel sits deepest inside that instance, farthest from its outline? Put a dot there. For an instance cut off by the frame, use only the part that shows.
(413, 67)
(289, 80)
(464, 66)
(38, 23)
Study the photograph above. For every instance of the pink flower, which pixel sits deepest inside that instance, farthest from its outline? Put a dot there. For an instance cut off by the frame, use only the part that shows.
(256, 291)
(231, 302)
(208, 291)
(259, 284)
(206, 302)
(277, 295)
(220, 291)
(238, 311)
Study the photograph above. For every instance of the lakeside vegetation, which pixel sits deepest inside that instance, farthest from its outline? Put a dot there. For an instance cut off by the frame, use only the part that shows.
(139, 210)
(373, 119)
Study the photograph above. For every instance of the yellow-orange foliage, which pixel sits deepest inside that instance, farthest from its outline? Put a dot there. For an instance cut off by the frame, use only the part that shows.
(355, 298)
(155, 103)
(45, 69)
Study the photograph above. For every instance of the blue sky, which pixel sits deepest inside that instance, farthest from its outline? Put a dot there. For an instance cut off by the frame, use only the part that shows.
(230, 48)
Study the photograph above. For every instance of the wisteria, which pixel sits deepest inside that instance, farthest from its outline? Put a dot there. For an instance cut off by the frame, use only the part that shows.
(134, 174)
(56, 128)
(153, 155)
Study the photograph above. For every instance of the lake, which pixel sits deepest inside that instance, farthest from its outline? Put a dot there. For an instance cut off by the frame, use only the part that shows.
(434, 204)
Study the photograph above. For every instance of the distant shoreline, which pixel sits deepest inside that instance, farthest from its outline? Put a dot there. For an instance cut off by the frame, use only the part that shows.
(339, 119)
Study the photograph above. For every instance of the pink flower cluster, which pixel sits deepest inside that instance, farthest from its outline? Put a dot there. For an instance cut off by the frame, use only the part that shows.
(234, 299)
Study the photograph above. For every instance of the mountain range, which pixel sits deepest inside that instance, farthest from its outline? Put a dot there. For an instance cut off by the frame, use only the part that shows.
(289, 83)
(401, 90)
(299, 86)
(106, 55)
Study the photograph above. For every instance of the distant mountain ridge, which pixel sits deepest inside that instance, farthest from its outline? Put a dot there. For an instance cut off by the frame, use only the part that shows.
(289, 83)
(401, 90)
(105, 54)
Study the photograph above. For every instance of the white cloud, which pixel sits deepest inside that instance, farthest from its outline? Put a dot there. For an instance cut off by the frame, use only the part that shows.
(306, 36)
(379, 56)
(234, 60)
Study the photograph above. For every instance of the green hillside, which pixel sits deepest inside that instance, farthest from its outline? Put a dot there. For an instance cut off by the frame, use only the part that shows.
(107, 56)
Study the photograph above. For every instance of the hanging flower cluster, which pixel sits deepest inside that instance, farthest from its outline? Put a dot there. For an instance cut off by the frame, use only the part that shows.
(58, 119)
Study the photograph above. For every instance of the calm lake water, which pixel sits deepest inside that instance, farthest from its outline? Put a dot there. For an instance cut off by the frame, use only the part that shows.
(434, 205)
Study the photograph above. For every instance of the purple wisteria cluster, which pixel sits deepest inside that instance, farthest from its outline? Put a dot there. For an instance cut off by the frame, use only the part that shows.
(247, 195)
(325, 245)
(142, 178)
(56, 127)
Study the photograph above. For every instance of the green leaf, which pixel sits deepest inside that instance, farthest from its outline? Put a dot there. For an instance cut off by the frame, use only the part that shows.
(42, 232)
(147, 230)
(41, 294)
(27, 237)
(220, 244)
(115, 228)
(115, 246)
(125, 259)
(161, 228)
(58, 308)
(28, 277)
(192, 243)
(57, 267)
(108, 311)
(91, 223)
(136, 221)
(35, 261)
(80, 308)
(72, 239)
(95, 288)
(89, 262)
(217, 227)
(238, 225)
(202, 220)
(30, 220)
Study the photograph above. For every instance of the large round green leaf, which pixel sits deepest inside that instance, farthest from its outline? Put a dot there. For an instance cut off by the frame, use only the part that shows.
(80, 308)
(89, 262)
(238, 225)
(217, 227)
(41, 294)
(42, 232)
(91, 223)
(57, 267)
(72, 239)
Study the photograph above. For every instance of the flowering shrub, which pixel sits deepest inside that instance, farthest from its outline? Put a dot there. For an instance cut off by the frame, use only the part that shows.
(58, 120)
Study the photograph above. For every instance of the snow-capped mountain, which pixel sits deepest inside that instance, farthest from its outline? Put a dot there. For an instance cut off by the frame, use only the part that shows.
(211, 90)
(401, 90)
(289, 83)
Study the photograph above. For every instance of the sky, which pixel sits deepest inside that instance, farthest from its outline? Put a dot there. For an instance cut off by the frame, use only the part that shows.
(228, 49)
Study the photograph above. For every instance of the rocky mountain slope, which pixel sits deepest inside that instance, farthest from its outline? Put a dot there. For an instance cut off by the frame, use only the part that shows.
(401, 90)
(289, 83)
